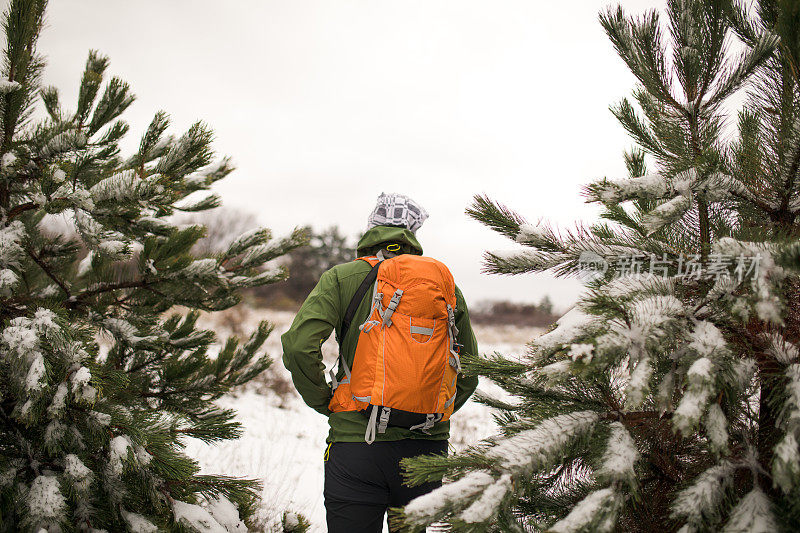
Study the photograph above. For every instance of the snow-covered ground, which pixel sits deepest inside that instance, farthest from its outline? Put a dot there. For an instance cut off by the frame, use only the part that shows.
(284, 440)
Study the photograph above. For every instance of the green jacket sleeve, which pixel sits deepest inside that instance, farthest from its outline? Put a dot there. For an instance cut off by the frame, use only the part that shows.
(465, 386)
(302, 354)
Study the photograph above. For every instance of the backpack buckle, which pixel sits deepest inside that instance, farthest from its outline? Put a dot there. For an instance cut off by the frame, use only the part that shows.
(383, 421)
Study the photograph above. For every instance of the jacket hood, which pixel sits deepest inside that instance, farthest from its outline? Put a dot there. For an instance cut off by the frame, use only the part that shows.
(379, 235)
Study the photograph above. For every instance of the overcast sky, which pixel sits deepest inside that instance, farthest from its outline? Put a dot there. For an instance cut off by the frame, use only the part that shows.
(324, 104)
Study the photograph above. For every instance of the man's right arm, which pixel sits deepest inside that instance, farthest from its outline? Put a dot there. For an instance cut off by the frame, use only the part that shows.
(302, 354)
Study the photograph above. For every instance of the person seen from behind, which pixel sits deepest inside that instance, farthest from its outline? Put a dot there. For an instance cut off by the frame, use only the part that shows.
(402, 326)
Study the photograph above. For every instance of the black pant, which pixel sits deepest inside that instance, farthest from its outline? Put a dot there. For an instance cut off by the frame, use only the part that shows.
(363, 480)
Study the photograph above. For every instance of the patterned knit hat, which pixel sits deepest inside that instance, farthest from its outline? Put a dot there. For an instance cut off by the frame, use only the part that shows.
(397, 210)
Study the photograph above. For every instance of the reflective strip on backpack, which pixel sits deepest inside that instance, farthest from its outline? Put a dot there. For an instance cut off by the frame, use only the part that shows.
(451, 322)
(455, 358)
(449, 402)
(419, 330)
(455, 362)
(367, 326)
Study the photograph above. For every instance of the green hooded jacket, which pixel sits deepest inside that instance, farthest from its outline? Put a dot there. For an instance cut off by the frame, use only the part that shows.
(323, 312)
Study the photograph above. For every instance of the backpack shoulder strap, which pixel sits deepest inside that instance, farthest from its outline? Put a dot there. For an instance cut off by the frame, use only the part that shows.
(358, 296)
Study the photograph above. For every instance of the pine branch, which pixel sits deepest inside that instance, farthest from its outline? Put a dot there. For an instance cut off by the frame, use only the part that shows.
(790, 176)
(21, 208)
(496, 216)
(110, 287)
(42, 265)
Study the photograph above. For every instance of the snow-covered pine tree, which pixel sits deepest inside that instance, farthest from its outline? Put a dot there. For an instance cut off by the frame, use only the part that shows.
(103, 371)
(669, 399)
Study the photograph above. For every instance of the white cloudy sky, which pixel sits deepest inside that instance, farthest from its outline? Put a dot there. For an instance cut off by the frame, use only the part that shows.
(326, 103)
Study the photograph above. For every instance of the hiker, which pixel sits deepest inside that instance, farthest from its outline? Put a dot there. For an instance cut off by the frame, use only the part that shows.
(398, 377)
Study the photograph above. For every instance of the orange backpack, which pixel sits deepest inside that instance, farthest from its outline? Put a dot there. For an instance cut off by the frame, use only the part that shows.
(407, 359)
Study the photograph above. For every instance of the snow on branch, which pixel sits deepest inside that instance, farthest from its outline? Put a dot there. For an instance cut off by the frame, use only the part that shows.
(208, 175)
(22, 341)
(530, 234)
(753, 514)
(766, 274)
(791, 409)
(653, 311)
(77, 473)
(781, 349)
(717, 427)
(654, 186)
(226, 513)
(620, 456)
(596, 512)
(516, 455)
(665, 214)
(46, 503)
(700, 377)
(63, 142)
(138, 523)
(125, 332)
(248, 239)
(124, 186)
(649, 320)
(201, 268)
(196, 517)
(11, 238)
(485, 506)
(7, 86)
(435, 504)
(628, 287)
(639, 382)
(118, 453)
(701, 501)
(519, 261)
(539, 447)
(786, 463)
(573, 325)
(706, 340)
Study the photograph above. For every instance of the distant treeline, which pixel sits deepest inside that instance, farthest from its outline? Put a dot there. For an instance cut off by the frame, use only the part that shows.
(329, 247)
(498, 313)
